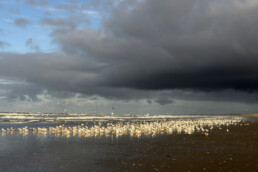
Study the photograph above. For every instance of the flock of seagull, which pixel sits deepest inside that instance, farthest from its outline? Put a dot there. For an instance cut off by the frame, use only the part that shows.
(134, 129)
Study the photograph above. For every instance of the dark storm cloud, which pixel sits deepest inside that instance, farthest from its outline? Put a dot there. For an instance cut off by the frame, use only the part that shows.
(52, 71)
(22, 22)
(153, 50)
(61, 76)
(24, 92)
(199, 45)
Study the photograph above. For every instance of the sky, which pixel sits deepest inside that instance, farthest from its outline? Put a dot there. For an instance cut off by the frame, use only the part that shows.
(140, 56)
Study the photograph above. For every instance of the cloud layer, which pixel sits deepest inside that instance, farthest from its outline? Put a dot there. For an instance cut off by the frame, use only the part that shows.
(4, 44)
(22, 22)
(154, 50)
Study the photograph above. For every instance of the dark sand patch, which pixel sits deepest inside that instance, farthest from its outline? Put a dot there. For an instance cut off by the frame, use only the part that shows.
(251, 115)
(235, 150)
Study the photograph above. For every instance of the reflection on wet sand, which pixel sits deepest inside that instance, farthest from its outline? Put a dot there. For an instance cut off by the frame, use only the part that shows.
(216, 143)
(134, 129)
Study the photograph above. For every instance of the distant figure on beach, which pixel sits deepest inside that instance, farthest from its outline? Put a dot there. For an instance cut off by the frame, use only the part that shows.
(113, 108)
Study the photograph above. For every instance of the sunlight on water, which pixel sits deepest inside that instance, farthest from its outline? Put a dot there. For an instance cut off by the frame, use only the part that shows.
(52, 117)
(134, 126)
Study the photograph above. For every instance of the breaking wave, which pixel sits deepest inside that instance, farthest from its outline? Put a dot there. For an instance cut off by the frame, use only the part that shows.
(60, 117)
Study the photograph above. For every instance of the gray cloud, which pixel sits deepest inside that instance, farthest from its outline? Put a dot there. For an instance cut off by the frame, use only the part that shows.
(4, 44)
(22, 22)
(36, 2)
(64, 23)
(30, 44)
(72, 7)
(14, 11)
(153, 50)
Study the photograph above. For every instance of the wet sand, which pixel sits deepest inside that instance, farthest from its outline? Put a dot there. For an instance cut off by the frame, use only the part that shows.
(221, 150)
(235, 150)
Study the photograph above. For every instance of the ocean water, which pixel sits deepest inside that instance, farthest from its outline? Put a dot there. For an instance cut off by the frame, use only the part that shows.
(57, 118)
(45, 151)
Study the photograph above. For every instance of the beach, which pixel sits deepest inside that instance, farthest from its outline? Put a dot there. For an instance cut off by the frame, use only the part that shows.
(224, 148)
(235, 150)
